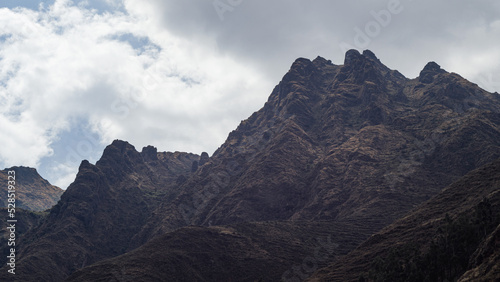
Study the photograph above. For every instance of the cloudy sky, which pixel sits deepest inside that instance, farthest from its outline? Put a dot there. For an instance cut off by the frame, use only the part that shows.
(180, 75)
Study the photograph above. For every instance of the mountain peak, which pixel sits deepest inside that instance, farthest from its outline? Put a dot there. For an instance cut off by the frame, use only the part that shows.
(434, 67)
(117, 149)
(300, 69)
(33, 192)
(302, 66)
(430, 70)
(150, 153)
(369, 54)
(28, 173)
(351, 56)
(360, 67)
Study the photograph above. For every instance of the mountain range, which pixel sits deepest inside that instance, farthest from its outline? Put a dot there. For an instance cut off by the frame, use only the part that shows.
(348, 172)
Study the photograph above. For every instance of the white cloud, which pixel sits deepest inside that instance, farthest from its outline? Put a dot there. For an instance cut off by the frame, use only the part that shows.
(174, 75)
(68, 64)
(23, 142)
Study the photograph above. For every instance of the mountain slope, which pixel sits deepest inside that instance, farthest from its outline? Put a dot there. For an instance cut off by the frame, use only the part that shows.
(26, 220)
(32, 191)
(351, 142)
(353, 145)
(401, 244)
(485, 263)
(99, 212)
(259, 251)
(357, 143)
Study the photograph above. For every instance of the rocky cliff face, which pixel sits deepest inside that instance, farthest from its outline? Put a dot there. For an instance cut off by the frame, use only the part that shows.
(32, 191)
(353, 146)
(98, 214)
(354, 142)
(454, 232)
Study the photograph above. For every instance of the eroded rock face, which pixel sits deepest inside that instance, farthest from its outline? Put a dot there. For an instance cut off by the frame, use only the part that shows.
(99, 213)
(203, 158)
(461, 222)
(430, 70)
(33, 193)
(348, 142)
(356, 145)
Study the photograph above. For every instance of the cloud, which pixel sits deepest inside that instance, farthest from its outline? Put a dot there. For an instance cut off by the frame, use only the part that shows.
(180, 75)
(271, 34)
(119, 75)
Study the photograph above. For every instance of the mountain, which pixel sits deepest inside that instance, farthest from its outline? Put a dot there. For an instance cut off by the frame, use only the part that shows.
(347, 149)
(32, 191)
(454, 232)
(257, 251)
(465, 214)
(26, 220)
(100, 211)
(356, 142)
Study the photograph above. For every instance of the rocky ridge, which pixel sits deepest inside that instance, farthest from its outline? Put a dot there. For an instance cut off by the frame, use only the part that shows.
(346, 146)
(101, 210)
(32, 191)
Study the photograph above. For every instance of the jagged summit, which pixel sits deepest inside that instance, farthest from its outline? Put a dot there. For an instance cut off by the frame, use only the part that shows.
(349, 147)
(429, 72)
(369, 54)
(150, 153)
(353, 60)
(433, 67)
(354, 56)
(322, 61)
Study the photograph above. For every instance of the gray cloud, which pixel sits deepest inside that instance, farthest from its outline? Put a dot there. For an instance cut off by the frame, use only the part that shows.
(180, 75)
(271, 34)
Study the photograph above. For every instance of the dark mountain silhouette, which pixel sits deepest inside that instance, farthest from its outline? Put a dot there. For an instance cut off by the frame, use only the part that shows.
(32, 191)
(343, 150)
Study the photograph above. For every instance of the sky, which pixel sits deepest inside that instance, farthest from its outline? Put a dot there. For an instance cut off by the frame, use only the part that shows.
(180, 75)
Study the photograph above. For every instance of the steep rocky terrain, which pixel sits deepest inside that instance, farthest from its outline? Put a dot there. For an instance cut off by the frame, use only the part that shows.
(270, 251)
(32, 191)
(468, 211)
(352, 142)
(485, 262)
(350, 148)
(99, 212)
(26, 220)
(259, 251)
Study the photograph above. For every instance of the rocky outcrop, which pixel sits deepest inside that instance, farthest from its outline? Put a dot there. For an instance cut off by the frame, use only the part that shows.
(106, 205)
(203, 158)
(32, 191)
